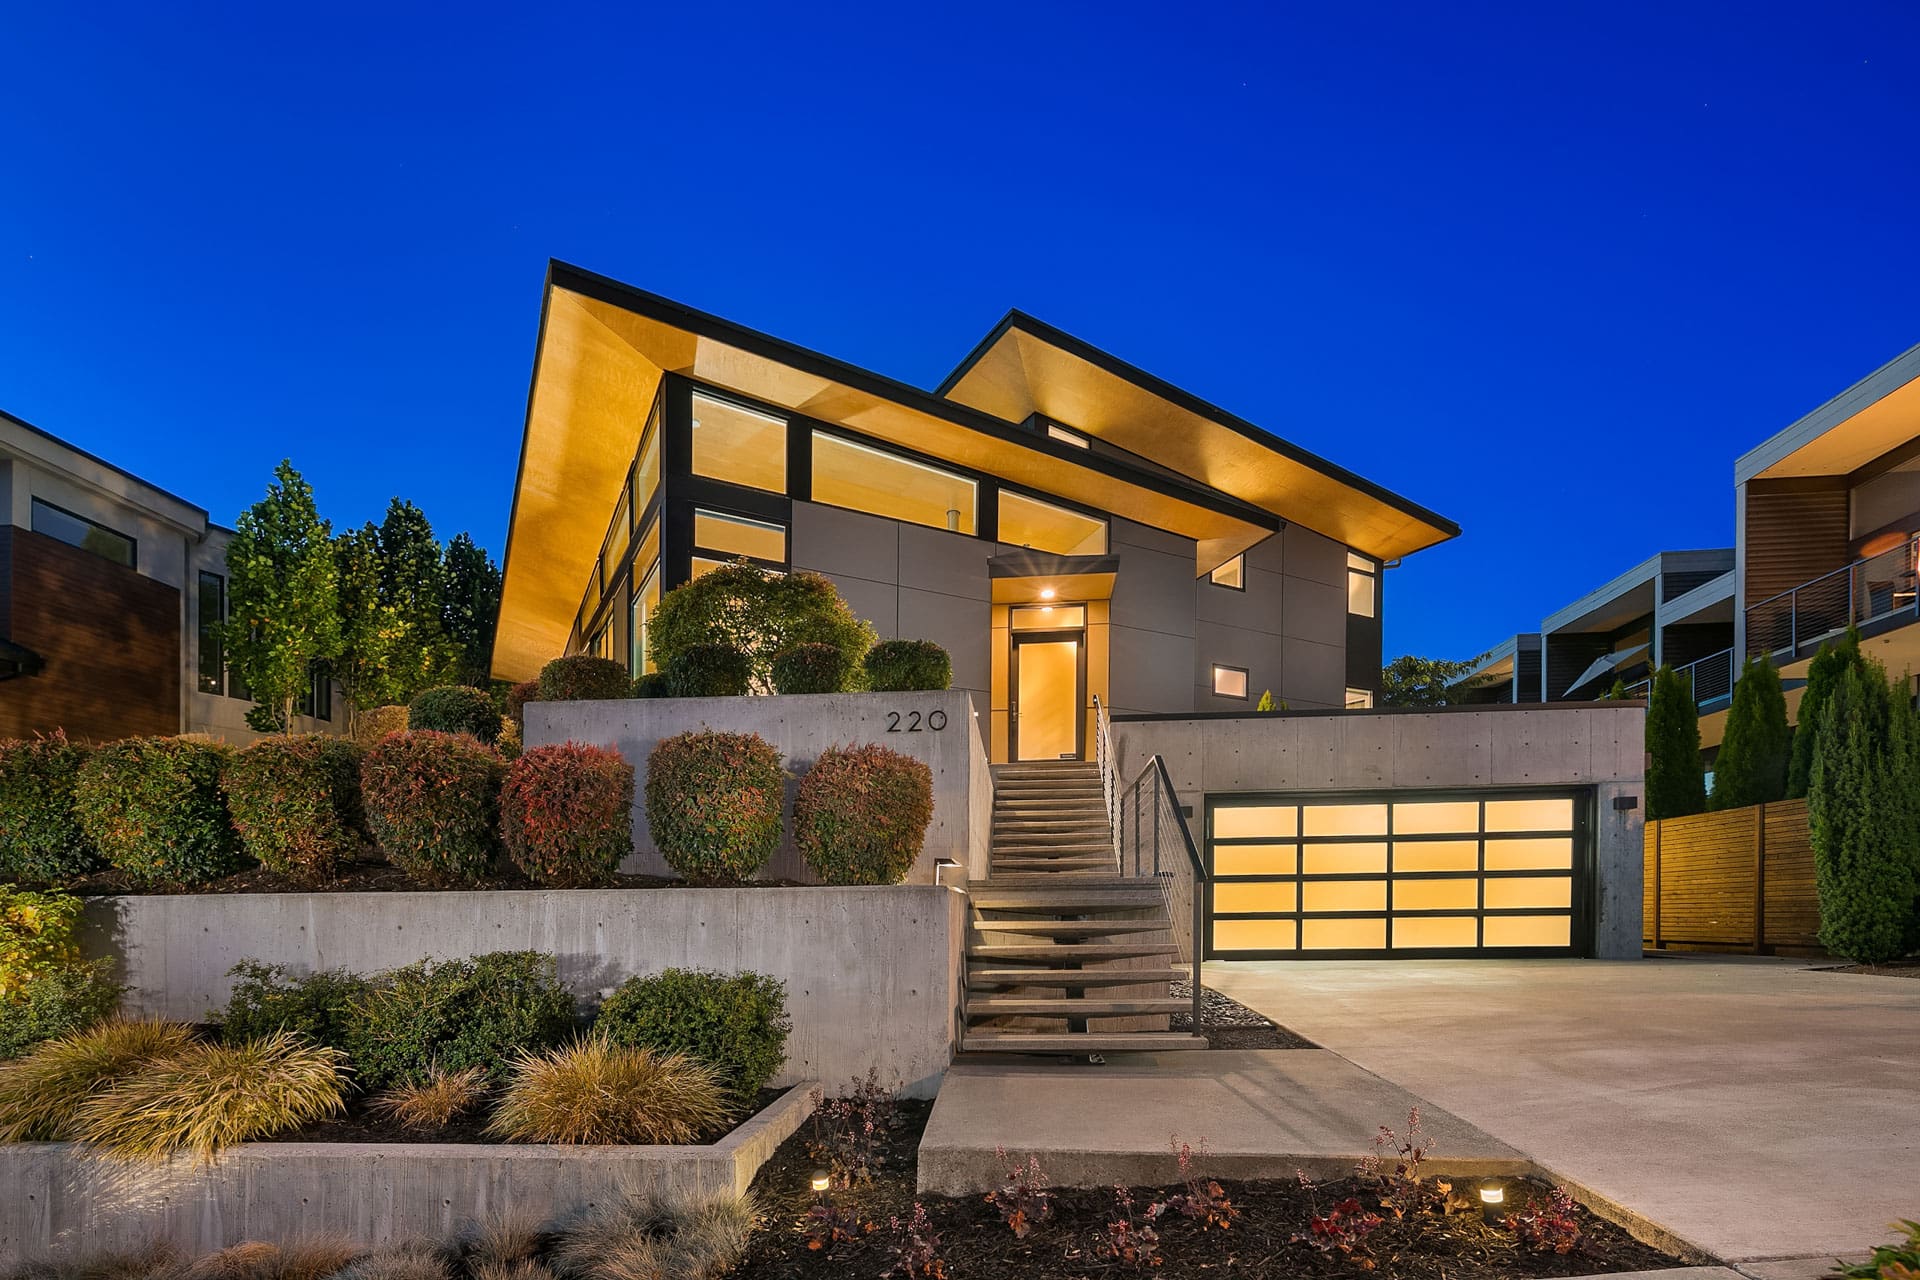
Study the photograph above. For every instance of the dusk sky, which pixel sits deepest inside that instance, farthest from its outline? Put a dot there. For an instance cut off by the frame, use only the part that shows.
(1547, 269)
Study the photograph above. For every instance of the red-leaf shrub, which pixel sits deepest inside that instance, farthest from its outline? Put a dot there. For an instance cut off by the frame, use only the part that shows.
(566, 814)
(433, 804)
(713, 803)
(154, 809)
(296, 803)
(583, 678)
(862, 814)
(811, 668)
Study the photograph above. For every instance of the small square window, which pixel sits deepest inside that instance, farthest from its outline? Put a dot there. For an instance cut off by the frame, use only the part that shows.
(1229, 682)
(1359, 699)
(1231, 574)
(1360, 593)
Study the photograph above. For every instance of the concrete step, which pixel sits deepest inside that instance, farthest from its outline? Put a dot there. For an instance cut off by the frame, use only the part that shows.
(1020, 843)
(986, 977)
(1079, 1042)
(988, 895)
(1081, 884)
(1070, 928)
(1068, 1007)
(1062, 806)
(1063, 954)
(1050, 823)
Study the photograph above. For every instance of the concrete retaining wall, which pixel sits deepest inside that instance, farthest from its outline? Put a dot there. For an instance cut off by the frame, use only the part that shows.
(800, 727)
(62, 1198)
(873, 974)
(1552, 745)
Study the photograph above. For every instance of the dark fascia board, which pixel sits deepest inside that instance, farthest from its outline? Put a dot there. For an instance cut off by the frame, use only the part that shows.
(605, 289)
(99, 461)
(1027, 563)
(1017, 319)
(1478, 708)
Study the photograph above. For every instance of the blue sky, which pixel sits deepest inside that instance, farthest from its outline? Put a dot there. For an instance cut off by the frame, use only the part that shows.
(1547, 269)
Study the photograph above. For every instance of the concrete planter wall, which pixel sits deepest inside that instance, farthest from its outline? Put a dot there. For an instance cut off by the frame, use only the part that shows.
(873, 974)
(62, 1197)
(937, 728)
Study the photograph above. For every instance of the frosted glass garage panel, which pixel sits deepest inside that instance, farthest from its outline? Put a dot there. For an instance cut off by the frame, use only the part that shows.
(1343, 895)
(1232, 822)
(1256, 897)
(1343, 820)
(1528, 931)
(1256, 860)
(1510, 892)
(1436, 855)
(1436, 817)
(1452, 932)
(1344, 859)
(1343, 935)
(1454, 894)
(1535, 854)
(1255, 935)
(1530, 815)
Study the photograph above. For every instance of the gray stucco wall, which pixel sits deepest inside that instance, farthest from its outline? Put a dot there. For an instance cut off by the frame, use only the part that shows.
(1571, 745)
(873, 974)
(800, 727)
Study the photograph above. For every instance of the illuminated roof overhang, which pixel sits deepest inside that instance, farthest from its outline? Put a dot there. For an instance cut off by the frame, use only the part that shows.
(1026, 367)
(1868, 420)
(1037, 577)
(602, 350)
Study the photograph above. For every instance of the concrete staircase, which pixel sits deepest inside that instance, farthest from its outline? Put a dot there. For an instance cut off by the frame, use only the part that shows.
(1065, 955)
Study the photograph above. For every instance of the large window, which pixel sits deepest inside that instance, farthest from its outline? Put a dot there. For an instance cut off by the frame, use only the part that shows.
(213, 645)
(78, 531)
(732, 535)
(1363, 586)
(1377, 877)
(646, 467)
(1029, 522)
(739, 445)
(862, 478)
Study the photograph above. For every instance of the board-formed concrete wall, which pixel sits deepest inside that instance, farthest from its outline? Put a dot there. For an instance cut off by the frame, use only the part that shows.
(873, 974)
(1553, 745)
(937, 728)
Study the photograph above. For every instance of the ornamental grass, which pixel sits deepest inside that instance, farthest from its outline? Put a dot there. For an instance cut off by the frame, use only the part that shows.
(42, 1093)
(435, 1102)
(682, 1237)
(594, 1091)
(210, 1096)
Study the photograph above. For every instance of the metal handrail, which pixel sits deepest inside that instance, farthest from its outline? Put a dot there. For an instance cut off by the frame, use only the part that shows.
(1109, 779)
(1710, 677)
(1156, 819)
(1874, 587)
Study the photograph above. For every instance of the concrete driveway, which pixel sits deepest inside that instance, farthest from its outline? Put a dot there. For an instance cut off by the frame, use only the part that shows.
(1757, 1108)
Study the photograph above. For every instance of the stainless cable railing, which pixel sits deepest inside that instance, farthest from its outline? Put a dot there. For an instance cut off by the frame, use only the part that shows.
(1711, 677)
(1867, 590)
(1109, 780)
(1156, 841)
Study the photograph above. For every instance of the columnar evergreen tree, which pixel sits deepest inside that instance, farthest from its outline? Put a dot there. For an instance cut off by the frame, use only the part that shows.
(283, 583)
(1676, 781)
(411, 585)
(1752, 765)
(1863, 807)
(470, 607)
(370, 628)
(1822, 674)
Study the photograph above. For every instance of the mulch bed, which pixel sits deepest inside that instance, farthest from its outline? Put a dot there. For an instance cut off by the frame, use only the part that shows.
(360, 1124)
(358, 877)
(1231, 1025)
(1891, 969)
(973, 1241)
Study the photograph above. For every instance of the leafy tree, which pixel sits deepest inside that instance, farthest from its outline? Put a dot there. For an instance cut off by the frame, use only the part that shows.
(1863, 808)
(760, 613)
(412, 585)
(1752, 765)
(1410, 681)
(370, 628)
(1823, 674)
(1676, 781)
(470, 607)
(283, 584)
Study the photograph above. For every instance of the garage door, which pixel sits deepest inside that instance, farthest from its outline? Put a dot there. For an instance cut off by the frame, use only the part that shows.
(1354, 876)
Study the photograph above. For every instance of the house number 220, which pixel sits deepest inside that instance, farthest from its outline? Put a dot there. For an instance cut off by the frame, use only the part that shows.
(935, 720)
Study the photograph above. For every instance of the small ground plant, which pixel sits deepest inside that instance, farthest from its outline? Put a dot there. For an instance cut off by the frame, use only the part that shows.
(1396, 1164)
(1129, 1239)
(916, 1247)
(1023, 1199)
(42, 1093)
(849, 1133)
(1548, 1225)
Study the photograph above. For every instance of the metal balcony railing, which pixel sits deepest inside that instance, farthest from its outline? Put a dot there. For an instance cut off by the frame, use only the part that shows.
(1711, 677)
(1865, 591)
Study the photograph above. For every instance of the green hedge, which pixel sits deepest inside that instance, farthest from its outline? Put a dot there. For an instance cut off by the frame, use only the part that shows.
(811, 668)
(296, 804)
(433, 804)
(736, 1023)
(908, 666)
(650, 684)
(455, 1014)
(266, 998)
(713, 804)
(709, 671)
(566, 814)
(583, 678)
(61, 1003)
(862, 813)
(40, 834)
(455, 708)
(155, 809)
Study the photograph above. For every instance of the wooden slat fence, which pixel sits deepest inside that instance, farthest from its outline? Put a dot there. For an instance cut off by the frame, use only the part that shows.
(1736, 880)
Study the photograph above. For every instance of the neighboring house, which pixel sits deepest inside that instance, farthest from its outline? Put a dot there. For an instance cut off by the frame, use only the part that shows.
(111, 591)
(1064, 524)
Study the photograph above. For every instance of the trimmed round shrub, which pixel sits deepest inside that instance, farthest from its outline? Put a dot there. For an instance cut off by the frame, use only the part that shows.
(757, 611)
(296, 804)
(709, 671)
(736, 1023)
(651, 684)
(62, 1003)
(433, 804)
(517, 699)
(40, 835)
(908, 666)
(375, 723)
(455, 1014)
(155, 810)
(455, 708)
(566, 814)
(713, 803)
(596, 1092)
(811, 668)
(862, 813)
(582, 678)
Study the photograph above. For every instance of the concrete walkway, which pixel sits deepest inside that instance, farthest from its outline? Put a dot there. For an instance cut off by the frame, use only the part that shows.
(1262, 1113)
(1757, 1108)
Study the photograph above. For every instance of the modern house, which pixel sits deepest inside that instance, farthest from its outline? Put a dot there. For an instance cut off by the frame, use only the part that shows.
(111, 595)
(1066, 525)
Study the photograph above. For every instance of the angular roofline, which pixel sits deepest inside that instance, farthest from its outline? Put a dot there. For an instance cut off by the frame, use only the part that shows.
(1810, 426)
(116, 469)
(1618, 585)
(1017, 319)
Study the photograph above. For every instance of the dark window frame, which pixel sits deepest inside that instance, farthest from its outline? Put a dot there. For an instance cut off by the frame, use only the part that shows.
(1228, 586)
(1213, 681)
(34, 505)
(217, 640)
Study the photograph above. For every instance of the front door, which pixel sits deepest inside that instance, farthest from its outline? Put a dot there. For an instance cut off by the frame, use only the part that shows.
(1049, 675)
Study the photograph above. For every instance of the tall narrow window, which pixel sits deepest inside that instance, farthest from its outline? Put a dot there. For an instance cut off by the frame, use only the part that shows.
(646, 467)
(1231, 574)
(1363, 586)
(862, 478)
(645, 600)
(739, 445)
(213, 645)
(1029, 522)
